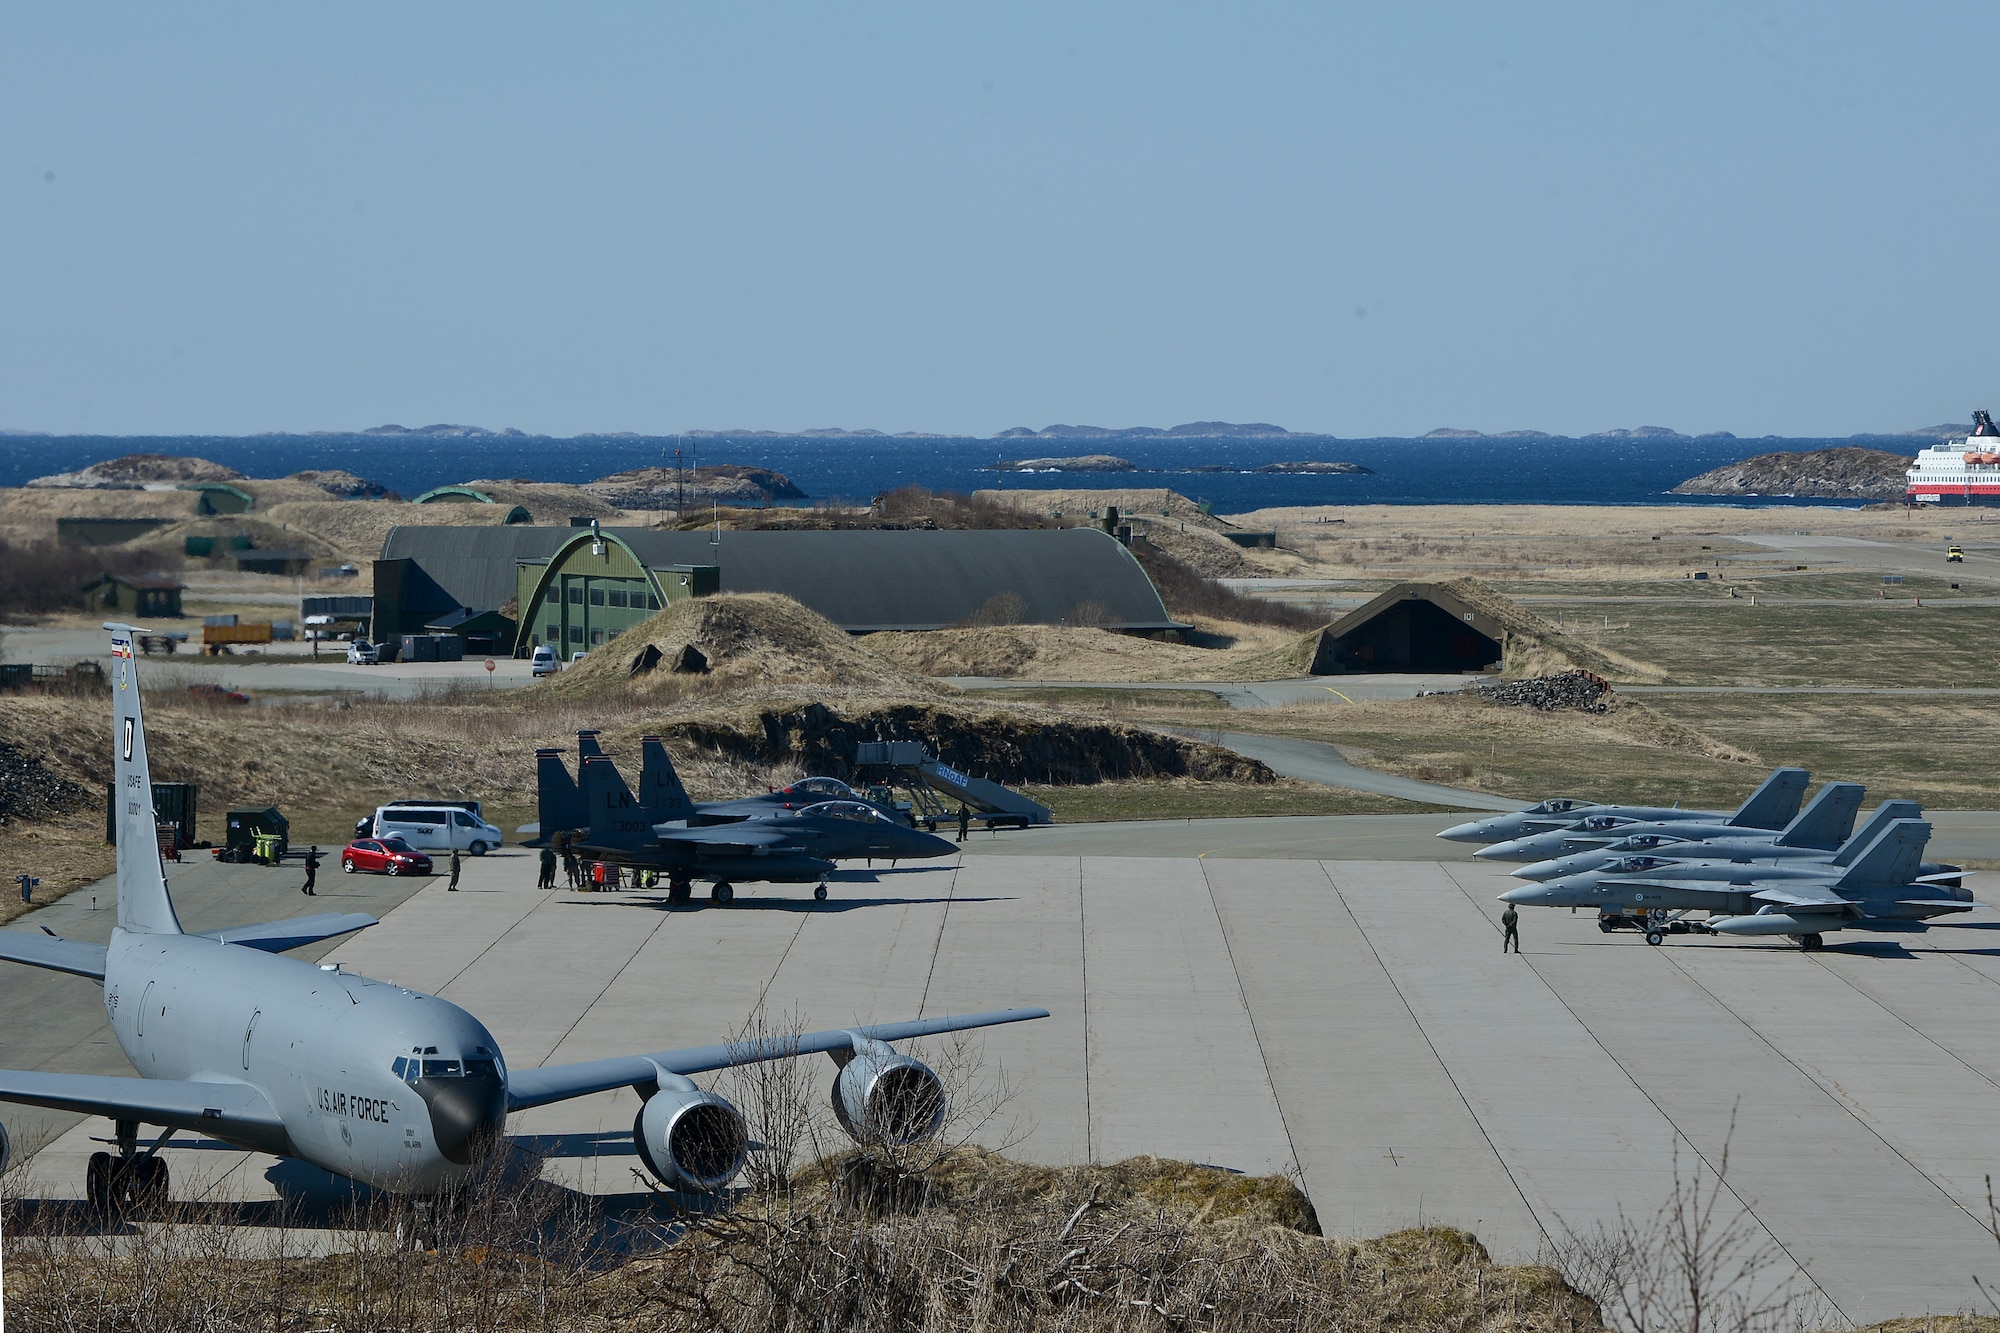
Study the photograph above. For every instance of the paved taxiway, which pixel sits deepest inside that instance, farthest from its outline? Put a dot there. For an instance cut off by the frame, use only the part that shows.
(1354, 1019)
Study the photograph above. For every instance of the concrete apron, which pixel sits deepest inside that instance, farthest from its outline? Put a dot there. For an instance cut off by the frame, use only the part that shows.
(1352, 1021)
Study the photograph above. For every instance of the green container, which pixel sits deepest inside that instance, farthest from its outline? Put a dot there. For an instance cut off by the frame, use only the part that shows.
(240, 542)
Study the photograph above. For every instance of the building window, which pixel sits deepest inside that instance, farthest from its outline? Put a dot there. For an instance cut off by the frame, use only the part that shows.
(617, 598)
(576, 596)
(652, 602)
(576, 634)
(555, 634)
(596, 637)
(597, 597)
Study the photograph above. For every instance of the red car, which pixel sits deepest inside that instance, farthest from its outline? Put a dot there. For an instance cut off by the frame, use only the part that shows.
(384, 856)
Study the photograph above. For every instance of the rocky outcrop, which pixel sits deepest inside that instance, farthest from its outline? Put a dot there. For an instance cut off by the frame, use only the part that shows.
(1081, 463)
(136, 472)
(1820, 474)
(1313, 466)
(340, 484)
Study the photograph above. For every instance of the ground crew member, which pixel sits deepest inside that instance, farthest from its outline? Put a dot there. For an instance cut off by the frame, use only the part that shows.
(572, 870)
(548, 880)
(453, 886)
(964, 821)
(1511, 919)
(312, 873)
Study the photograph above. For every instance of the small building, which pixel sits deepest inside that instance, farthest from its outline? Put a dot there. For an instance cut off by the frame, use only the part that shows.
(219, 497)
(254, 561)
(483, 632)
(1413, 627)
(141, 596)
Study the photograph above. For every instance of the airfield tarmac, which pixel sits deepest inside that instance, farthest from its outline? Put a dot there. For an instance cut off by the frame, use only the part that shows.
(1353, 1020)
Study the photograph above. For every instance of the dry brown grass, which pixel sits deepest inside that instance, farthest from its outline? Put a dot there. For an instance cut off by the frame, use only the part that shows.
(357, 528)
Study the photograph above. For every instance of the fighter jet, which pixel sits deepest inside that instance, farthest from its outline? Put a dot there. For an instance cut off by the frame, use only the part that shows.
(1820, 829)
(1565, 812)
(1773, 805)
(1880, 887)
(776, 845)
(367, 1079)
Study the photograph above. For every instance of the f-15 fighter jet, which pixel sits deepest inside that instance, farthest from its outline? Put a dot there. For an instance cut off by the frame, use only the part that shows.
(1880, 887)
(1771, 806)
(234, 1041)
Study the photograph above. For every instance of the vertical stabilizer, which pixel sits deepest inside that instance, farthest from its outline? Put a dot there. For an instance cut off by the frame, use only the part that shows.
(586, 747)
(660, 792)
(1776, 801)
(143, 902)
(615, 817)
(1885, 814)
(558, 800)
(1828, 818)
(1890, 861)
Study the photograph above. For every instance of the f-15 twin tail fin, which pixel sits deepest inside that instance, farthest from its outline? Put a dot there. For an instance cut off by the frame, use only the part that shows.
(660, 790)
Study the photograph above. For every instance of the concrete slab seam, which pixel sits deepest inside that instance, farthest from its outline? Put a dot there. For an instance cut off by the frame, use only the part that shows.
(1827, 1093)
(1443, 1068)
(1942, 1049)
(1679, 1133)
(937, 945)
(1263, 1056)
(605, 989)
(1083, 988)
(491, 945)
(764, 990)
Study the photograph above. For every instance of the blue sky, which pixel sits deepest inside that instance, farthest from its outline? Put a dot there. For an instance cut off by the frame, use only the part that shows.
(1366, 219)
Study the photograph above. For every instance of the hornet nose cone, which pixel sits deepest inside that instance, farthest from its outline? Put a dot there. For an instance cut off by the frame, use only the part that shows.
(468, 1112)
(1528, 895)
(1472, 832)
(1539, 870)
(1514, 849)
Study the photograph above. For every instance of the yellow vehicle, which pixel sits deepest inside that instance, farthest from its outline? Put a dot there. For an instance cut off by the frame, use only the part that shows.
(1954, 552)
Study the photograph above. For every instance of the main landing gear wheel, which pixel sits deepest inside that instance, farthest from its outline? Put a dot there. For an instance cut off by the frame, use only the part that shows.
(723, 893)
(1604, 924)
(1655, 938)
(1810, 943)
(819, 894)
(112, 1185)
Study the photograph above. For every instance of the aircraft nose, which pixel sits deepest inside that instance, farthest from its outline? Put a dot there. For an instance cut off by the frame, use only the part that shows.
(1475, 831)
(925, 845)
(467, 1114)
(1499, 851)
(1539, 870)
(1528, 895)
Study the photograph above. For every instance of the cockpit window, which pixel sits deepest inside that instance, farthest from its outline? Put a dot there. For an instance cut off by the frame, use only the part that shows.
(441, 1069)
(823, 788)
(859, 811)
(477, 1068)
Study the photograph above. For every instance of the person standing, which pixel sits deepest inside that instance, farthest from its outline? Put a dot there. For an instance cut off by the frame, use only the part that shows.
(312, 873)
(964, 821)
(453, 886)
(1511, 921)
(548, 880)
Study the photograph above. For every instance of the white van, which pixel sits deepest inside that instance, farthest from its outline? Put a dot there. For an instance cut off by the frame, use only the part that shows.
(437, 828)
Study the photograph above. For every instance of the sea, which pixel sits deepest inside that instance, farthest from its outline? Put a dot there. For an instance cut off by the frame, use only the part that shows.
(1483, 470)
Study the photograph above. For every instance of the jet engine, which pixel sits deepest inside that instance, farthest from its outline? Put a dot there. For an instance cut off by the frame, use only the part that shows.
(882, 1096)
(690, 1139)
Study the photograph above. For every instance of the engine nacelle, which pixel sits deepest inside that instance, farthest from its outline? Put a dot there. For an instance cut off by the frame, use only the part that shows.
(690, 1139)
(883, 1096)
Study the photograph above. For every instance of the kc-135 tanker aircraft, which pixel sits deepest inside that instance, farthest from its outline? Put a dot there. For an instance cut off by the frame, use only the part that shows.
(369, 1080)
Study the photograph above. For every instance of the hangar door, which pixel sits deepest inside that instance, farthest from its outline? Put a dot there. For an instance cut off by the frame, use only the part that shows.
(1415, 635)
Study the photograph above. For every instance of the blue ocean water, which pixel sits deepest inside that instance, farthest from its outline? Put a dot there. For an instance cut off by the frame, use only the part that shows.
(1405, 471)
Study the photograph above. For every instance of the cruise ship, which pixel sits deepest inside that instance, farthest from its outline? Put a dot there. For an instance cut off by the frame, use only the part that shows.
(1964, 471)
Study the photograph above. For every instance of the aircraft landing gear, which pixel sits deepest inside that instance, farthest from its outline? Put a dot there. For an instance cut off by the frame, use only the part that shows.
(819, 894)
(723, 894)
(1606, 924)
(113, 1185)
(1655, 938)
(1811, 943)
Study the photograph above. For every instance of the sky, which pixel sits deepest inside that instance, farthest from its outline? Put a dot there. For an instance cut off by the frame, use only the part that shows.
(1359, 219)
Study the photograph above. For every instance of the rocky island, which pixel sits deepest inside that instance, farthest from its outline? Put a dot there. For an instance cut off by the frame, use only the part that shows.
(1081, 463)
(664, 487)
(1820, 474)
(1308, 467)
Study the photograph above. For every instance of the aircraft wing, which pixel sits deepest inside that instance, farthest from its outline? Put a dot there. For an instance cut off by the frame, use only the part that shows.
(209, 1108)
(278, 936)
(733, 835)
(53, 952)
(555, 1083)
(1803, 896)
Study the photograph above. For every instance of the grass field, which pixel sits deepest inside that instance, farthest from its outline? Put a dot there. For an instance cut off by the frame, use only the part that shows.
(1111, 801)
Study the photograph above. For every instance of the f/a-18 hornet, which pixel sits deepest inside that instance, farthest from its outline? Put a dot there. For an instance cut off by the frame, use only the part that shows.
(1820, 829)
(367, 1079)
(1771, 806)
(758, 839)
(1882, 885)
